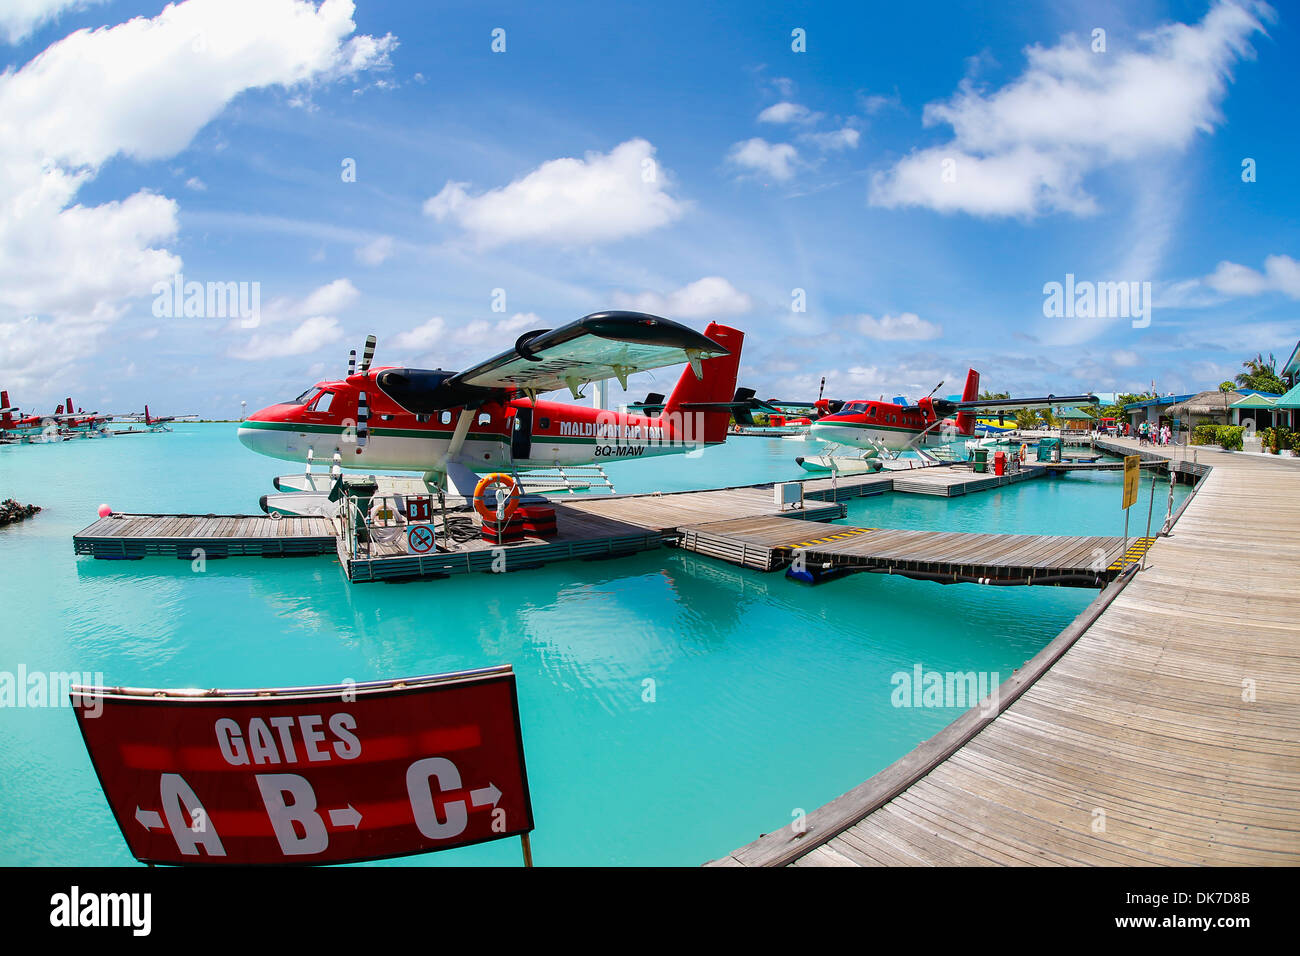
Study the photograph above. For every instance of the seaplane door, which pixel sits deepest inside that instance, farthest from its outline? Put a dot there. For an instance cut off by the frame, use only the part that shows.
(521, 434)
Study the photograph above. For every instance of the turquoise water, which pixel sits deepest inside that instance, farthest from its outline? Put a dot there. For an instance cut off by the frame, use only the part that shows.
(769, 696)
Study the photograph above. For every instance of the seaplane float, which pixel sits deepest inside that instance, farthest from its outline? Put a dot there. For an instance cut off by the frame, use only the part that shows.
(450, 427)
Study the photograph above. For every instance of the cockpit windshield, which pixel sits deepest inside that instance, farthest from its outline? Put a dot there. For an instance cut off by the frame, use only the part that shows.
(302, 399)
(853, 408)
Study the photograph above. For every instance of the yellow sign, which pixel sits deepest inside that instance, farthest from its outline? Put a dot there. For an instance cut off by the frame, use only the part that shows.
(1132, 465)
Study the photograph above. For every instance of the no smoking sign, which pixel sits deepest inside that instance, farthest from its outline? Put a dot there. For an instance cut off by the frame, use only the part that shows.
(419, 539)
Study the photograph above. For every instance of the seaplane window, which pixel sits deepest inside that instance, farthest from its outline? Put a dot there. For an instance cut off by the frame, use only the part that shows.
(322, 404)
(485, 418)
(445, 418)
(543, 423)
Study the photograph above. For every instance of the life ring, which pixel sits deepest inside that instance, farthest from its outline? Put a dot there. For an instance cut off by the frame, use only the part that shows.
(496, 478)
(1024, 450)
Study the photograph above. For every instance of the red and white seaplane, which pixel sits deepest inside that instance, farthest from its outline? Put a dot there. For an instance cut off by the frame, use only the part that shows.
(153, 423)
(887, 429)
(61, 425)
(488, 418)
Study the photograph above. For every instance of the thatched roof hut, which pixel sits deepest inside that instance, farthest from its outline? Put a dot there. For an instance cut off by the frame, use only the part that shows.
(1211, 404)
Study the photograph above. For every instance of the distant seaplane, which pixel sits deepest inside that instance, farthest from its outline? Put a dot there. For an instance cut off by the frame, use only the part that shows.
(154, 423)
(49, 428)
(452, 425)
(889, 428)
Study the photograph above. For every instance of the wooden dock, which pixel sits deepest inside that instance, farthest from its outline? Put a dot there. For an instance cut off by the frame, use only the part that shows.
(949, 557)
(605, 526)
(217, 536)
(1161, 728)
(590, 527)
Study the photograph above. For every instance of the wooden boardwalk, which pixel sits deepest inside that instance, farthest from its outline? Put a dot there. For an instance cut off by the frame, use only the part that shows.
(1162, 727)
(218, 536)
(768, 543)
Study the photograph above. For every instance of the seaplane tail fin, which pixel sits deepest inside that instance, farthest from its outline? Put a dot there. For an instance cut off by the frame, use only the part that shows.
(147, 419)
(7, 419)
(717, 385)
(966, 420)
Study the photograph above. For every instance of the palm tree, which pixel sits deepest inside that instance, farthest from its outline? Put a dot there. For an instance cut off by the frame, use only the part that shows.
(1260, 375)
(1226, 388)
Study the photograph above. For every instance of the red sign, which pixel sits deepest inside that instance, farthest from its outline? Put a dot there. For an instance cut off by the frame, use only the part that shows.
(311, 774)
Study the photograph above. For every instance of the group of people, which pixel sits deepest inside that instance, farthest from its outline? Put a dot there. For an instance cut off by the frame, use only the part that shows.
(1151, 434)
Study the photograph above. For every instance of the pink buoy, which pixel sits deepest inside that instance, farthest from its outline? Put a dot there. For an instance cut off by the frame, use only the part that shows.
(105, 511)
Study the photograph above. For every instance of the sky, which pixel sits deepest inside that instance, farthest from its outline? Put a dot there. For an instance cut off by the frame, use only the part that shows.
(879, 194)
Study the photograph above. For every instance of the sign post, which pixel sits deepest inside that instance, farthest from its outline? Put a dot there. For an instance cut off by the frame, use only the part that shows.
(311, 775)
(1132, 472)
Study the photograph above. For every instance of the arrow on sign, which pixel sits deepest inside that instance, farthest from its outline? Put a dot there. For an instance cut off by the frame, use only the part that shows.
(149, 819)
(347, 817)
(485, 796)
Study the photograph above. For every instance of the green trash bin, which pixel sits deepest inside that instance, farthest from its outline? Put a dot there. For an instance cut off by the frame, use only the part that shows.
(981, 459)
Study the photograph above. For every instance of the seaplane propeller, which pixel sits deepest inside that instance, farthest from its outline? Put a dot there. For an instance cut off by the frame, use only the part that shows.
(368, 354)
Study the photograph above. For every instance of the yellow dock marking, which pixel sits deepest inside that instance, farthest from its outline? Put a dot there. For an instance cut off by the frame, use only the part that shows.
(1133, 555)
(848, 533)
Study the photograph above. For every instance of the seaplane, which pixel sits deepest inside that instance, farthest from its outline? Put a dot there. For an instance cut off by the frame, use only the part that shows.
(82, 423)
(930, 428)
(59, 426)
(153, 423)
(451, 426)
(14, 426)
(783, 419)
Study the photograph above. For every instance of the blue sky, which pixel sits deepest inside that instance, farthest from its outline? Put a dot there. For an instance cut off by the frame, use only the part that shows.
(919, 171)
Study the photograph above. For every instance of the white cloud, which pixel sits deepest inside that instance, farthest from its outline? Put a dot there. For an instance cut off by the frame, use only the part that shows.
(600, 198)
(20, 18)
(376, 251)
(1281, 274)
(846, 138)
(757, 155)
(876, 103)
(141, 89)
(329, 299)
(788, 113)
(1024, 149)
(438, 337)
(904, 327)
(422, 338)
(196, 184)
(710, 297)
(1124, 358)
(313, 334)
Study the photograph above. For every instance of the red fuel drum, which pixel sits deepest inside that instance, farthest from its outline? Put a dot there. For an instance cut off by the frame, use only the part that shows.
(311, 775)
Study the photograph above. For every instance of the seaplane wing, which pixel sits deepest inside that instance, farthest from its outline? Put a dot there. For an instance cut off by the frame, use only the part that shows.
(995, 405)
(596, 347)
